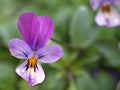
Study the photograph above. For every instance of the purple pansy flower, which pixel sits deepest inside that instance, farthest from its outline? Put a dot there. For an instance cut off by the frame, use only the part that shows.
(35, 31)
(107, 15)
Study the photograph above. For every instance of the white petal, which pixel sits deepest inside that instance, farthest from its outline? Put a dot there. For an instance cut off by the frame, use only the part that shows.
(108, 19)
(100, 19)
(39, 75)
(31, 76)
(114, 18)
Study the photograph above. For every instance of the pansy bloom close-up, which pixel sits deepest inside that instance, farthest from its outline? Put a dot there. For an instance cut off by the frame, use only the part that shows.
(107, 14)
(35, 31)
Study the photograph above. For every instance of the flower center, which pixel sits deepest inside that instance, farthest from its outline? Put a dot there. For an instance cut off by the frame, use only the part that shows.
(32, 63)
(106, 8)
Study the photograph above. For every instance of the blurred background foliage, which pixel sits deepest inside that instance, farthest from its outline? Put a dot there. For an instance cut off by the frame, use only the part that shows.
(90, 62)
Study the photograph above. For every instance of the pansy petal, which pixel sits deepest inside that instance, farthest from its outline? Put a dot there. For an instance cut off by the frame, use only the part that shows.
(100, 19)
(114, 19)
(28, 25)
(19, 49)
(49, 54)
(95, 3)
(31, 76)
(46, 30)
(117, 2)
(110, 20)
(39, 75)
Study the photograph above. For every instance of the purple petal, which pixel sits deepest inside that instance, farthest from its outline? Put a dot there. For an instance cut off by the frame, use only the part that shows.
(31, 76)
(108, 19)
(35, 30)
(28, 25)
(117, 2)
(119, 45)
(46, 30)
(49, 54)
(98, 3)
(95, 4)
(19, 49)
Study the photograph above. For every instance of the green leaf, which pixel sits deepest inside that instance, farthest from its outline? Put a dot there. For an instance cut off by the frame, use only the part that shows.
(7, 11)
(88, 60)
(72, 86)
(62, 19)
(8, 32)
(106, 34)
(7, 77)
(110, 52)
(85, 82)
(91, 56)
(82, 34)
(105, 81)
(54, 81)
(23, 85)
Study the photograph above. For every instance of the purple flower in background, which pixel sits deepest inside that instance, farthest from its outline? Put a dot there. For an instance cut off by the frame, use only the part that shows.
(107, 15)
(35, 31)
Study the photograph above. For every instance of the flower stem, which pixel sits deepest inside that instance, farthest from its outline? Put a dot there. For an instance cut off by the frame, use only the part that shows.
(65, 44)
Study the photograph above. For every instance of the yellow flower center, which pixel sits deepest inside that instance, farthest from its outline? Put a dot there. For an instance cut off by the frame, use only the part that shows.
(32, 63)
(106, 8)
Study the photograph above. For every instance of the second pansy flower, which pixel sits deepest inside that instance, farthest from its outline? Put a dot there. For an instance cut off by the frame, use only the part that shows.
(35, 31)
(107, 15)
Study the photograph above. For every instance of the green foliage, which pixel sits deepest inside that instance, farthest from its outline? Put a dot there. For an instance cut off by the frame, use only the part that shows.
(7, 77)
(82, 34)
(110, 52)
(105, 81)
(85, 82)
